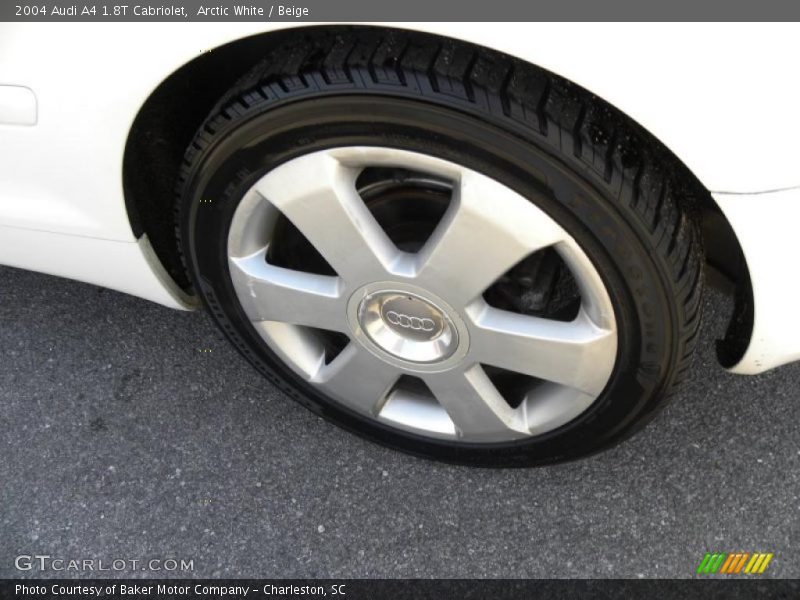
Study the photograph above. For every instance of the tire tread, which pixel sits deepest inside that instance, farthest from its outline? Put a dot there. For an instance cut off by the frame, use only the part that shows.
(618, 155)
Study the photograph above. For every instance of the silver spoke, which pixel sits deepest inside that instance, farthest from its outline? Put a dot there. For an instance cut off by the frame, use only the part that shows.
(578, 354)
(357, 379)
(270, 293)
(318, 195)
(487, 229)
(475, 406)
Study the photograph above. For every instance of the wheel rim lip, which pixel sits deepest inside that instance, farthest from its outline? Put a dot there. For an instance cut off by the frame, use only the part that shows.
(363, 156)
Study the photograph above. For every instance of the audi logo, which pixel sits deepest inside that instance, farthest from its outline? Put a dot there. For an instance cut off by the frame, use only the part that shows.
(409, 322)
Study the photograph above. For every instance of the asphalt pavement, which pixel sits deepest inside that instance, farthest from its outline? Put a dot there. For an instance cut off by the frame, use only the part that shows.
(131, 431)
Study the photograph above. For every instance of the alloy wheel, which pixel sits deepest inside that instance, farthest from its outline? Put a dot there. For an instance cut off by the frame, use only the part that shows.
(407, 334)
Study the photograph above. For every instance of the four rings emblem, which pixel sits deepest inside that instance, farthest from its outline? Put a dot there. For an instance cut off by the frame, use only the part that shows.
(409, 322)
(406, 326)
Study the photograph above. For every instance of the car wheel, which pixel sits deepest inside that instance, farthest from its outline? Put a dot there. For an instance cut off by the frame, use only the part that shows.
(443, 249)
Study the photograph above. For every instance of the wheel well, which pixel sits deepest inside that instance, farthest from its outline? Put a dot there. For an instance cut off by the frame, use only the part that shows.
(169, 119)
(164, 128)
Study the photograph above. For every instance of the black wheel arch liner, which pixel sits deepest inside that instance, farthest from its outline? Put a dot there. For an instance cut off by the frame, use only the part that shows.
(171, 115)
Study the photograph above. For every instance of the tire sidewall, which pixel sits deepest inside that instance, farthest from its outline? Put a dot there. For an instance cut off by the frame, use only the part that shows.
(255, 143)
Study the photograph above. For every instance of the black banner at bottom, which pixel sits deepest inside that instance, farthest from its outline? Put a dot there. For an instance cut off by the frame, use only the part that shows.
(417, 589)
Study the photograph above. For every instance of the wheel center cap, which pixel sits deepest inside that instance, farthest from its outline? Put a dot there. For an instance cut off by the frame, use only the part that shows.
(408, 326)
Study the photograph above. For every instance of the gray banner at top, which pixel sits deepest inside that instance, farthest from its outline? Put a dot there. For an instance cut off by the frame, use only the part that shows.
(401, 10)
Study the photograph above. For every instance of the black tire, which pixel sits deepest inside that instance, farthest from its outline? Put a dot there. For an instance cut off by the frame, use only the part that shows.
(624, 198)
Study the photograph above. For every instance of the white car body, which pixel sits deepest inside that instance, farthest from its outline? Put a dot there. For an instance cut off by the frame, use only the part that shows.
(722, 97)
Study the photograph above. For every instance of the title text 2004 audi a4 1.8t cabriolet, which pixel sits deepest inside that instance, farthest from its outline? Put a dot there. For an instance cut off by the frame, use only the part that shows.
(483, 243)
